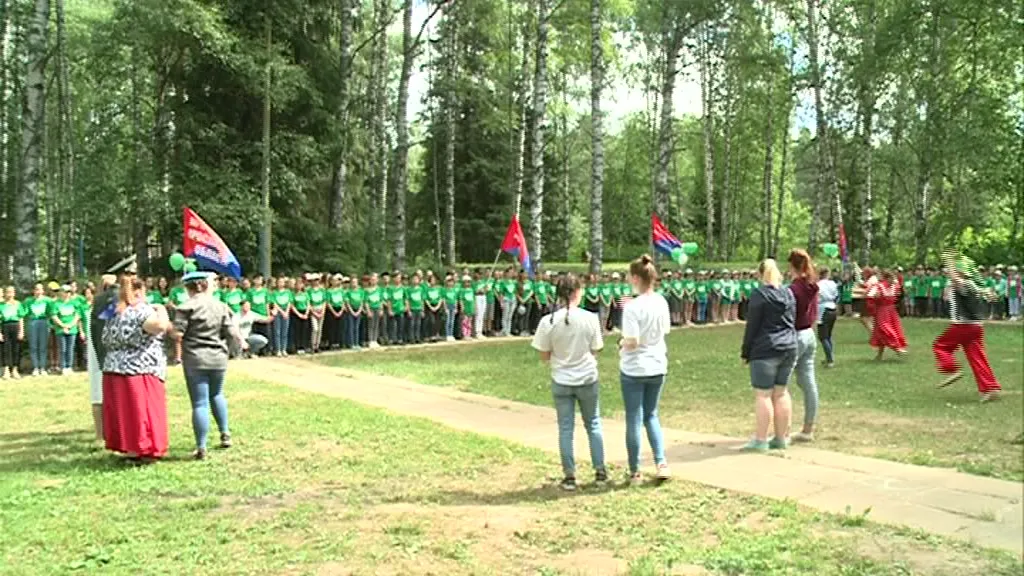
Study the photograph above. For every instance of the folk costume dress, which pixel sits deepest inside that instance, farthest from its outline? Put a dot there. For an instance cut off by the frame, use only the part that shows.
(888, 329)
(134, 399)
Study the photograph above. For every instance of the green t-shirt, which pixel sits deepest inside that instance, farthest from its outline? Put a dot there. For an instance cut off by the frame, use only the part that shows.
(233, 299)
(616, 291)
(702, 290)
(336, 298)
(690, 288)
(544, 291)
(317, 297)
(490, 289)
(83, 304)
(468, 299)
(846, 292)
(451, 295)
(626, 289)
(282, 299)
(218, 295)
(675, 286)
(12, 311)
(354, 298)
(152, 297)
(415, 296)
(432, 295)
(606, 293)
(715, 286)
(374, 297)
(1011, 284)
(527, 290)
(68, 313)
(592, 293)
(1000, 287)
(300, 299)
(508, 288)
(178, 295)
(398, 297)
(258, 300)
(921, 284)
(37, 308)
(936, 284)
(908, 284)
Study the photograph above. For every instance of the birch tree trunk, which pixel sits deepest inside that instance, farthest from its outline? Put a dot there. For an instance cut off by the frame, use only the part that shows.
(707, 95)
(671, 45)
(402, 139)
(26, 207)
(5, 222)
(724, 198)
(377, 229)
(540, 85)
(566, 212)
(266, 232)
(867, 105)
(922, 200)
(519, 168)
(766, 182)
(451, 70)
(596, 139)
(339, 182)
(826, 162)
(66, 138)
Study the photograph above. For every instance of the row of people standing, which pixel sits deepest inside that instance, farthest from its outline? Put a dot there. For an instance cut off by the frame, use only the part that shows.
(54, 326)
(927, 292)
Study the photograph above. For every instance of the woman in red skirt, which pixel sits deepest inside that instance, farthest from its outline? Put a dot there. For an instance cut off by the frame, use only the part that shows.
(864, 280)
(887, 331)
(134, 370)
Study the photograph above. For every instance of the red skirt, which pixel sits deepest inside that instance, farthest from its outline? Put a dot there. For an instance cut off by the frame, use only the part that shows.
(869, 308)
(135, 414)
(888, 331)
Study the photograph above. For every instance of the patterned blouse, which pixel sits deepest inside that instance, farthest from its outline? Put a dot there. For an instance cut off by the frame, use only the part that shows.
(130, 349)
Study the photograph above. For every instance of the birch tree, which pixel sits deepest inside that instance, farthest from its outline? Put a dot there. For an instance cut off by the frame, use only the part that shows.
(540, 86)
(596, 138)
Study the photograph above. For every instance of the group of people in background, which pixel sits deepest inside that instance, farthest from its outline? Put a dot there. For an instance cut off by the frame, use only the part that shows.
(51, 324)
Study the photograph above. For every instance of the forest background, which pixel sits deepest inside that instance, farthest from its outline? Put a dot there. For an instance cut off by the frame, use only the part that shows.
(369, 134)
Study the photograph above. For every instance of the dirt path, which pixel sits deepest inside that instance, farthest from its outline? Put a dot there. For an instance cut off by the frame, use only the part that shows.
(984, 510)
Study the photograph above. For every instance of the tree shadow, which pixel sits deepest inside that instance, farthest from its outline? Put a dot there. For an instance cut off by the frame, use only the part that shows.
(61, 453)
(547, 492)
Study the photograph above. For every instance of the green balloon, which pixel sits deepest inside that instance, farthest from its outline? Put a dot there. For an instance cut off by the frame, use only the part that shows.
(177, 261)
(678, 256)
(831, 250)
(189, 265)
(690, 248)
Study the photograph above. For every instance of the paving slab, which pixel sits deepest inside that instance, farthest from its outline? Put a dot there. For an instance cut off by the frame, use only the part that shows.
(977, 509)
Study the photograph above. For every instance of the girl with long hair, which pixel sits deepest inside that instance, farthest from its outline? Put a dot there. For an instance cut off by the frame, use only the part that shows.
(804, 287)
(643, 365)
(569, 339)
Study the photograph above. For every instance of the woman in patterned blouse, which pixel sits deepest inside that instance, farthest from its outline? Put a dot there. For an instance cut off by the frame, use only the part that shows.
(134, 370)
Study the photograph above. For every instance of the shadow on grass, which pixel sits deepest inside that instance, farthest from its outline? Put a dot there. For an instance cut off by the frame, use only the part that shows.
(548, 492)
(61, 453)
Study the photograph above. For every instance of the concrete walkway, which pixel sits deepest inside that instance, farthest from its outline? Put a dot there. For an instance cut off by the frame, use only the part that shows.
(983, 510)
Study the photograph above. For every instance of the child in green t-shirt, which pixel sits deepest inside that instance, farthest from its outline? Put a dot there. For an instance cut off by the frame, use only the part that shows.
(702, 297)
(414, 294)
(451, 294)
(12, 330)
(66, 318)
(467, 307)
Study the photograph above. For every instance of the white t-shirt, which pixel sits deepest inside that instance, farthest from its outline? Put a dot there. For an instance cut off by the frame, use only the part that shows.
(245, 322)
(646, 318)
(571, 345)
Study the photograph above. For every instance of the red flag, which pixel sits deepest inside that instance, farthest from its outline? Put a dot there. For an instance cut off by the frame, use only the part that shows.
(515, 244)
(205, 245)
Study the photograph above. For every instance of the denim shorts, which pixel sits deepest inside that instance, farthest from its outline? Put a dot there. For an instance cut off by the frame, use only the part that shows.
(767, 373)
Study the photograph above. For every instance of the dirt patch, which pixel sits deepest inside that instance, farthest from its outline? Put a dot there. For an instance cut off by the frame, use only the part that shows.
(589, 562)
(689, 570)
(921, 559)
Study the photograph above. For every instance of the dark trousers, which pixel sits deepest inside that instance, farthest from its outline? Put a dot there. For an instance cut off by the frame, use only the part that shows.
(828, 321)
(11, 349)
(301, 334)
(396, 329)
(920, 306)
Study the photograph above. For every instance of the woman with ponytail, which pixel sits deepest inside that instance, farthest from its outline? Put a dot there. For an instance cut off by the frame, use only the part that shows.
(643, 364)
(134, 370)
(569, 339)
(804, 287)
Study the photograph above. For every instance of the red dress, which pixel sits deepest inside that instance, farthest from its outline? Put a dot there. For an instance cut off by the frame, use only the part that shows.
(888, 330)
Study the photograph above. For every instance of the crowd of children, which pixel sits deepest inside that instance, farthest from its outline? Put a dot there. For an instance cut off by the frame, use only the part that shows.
(320, 312)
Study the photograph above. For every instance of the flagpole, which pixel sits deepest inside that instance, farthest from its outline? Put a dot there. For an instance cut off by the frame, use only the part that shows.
(495, 263)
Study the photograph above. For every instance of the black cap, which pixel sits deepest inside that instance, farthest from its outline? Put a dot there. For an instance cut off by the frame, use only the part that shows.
(124, 266)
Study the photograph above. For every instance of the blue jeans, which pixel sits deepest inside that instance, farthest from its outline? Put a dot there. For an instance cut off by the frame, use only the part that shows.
(806, 345)
(702, 311)
(352, 330)
(449, 321)
(396, 328)
(206, 389)
(415, 327)
(640, 396)
(1014, 307)
(67, 349)
(280, 339)
(566, 398)
(39, 343)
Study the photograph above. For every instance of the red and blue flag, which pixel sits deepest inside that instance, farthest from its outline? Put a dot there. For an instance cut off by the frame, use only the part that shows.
(664, 241)
(207, 248)
(515, 244)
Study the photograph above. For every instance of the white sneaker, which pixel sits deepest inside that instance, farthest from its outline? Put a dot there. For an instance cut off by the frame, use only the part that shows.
(664, 473)
(450, 339)
(66, 372)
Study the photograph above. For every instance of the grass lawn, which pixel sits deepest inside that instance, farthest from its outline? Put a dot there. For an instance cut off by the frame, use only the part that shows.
(317, 485)
(888, 410)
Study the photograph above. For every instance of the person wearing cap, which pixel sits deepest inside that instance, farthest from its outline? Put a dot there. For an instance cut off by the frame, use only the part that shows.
(999, 286)
(134, 371)
(207, 331)
(66, 320)
(37, 318)
(1013, 292)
